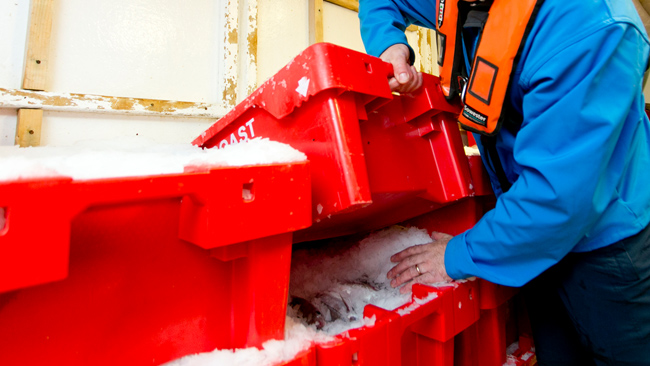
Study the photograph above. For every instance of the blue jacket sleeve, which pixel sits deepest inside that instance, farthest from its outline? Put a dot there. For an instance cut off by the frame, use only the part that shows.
(572, 153)
(383, 22)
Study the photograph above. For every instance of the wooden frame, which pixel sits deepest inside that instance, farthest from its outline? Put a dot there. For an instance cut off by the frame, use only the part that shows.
(421, 39)
(238, 80)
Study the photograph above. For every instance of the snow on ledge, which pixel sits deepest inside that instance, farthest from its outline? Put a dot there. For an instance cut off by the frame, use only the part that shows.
(298, 338)
(130, 157)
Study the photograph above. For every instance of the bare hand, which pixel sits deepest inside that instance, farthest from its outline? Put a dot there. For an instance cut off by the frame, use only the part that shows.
(429, 259)
(406, 78)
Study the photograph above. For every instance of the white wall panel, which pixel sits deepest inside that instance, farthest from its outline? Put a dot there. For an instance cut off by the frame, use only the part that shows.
(341, 27)
(160, 49)
(283, 32)
(13, 35)
(8, 120)
(64, 129)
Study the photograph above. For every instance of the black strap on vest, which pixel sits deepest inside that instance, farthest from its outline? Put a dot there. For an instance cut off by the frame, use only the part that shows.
(490, 146)
(512, 123)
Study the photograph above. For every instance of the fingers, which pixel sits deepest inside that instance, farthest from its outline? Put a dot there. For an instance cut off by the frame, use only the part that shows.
(406, 78)
(403, 266)
(428, 257)
(440, 236)
(416, 249)
(410, 251)
(406, 275)
(417, 82)
(426, 278)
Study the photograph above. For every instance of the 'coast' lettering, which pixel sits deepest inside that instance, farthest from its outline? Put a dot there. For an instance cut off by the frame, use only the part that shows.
(244, 132)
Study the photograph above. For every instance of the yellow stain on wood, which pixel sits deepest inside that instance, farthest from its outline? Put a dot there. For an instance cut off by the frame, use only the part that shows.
(252, 51)
(251, 48)
(433, 41)
(28, 128)
(232, 36)
(230, 91)
(252, 44)
(426, 50)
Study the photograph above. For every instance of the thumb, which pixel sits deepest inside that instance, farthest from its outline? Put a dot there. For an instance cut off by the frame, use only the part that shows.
(438, 235)
(401, 71)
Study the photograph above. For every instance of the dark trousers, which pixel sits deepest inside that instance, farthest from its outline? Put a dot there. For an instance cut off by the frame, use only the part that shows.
(594, 308)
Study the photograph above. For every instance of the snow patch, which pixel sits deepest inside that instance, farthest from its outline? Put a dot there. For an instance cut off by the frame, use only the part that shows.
(129, 157)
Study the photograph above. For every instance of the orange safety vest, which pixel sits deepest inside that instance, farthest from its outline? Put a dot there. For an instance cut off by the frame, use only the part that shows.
(484, 92)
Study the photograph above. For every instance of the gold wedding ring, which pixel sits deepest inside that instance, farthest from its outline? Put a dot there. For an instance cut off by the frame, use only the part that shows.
(418, 269)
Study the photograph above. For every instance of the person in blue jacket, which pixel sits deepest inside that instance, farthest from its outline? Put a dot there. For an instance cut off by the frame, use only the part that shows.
(571, 223)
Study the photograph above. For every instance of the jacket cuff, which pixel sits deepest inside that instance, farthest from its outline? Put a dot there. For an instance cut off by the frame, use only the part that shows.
(458, 261)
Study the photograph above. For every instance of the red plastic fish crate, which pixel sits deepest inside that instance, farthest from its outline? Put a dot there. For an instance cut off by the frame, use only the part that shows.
(145, 270)
(421, 332)
(450, 329)
(377, 158)
(469, 323)
(483, 343)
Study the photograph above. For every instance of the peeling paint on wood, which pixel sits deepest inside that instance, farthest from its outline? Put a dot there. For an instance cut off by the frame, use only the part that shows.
(231, 54)
(422, 40)
(433, 41)
(252, 51)
(426, 56)
(64, 102)
(240, 51)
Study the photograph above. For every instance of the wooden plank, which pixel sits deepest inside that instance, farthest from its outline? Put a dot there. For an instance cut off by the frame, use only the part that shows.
(38, 45)
(64, 102)
(348, 4)
(316, 29)
(28, 128)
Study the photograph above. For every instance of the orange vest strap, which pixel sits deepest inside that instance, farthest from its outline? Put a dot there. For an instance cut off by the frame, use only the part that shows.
(496, 56)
